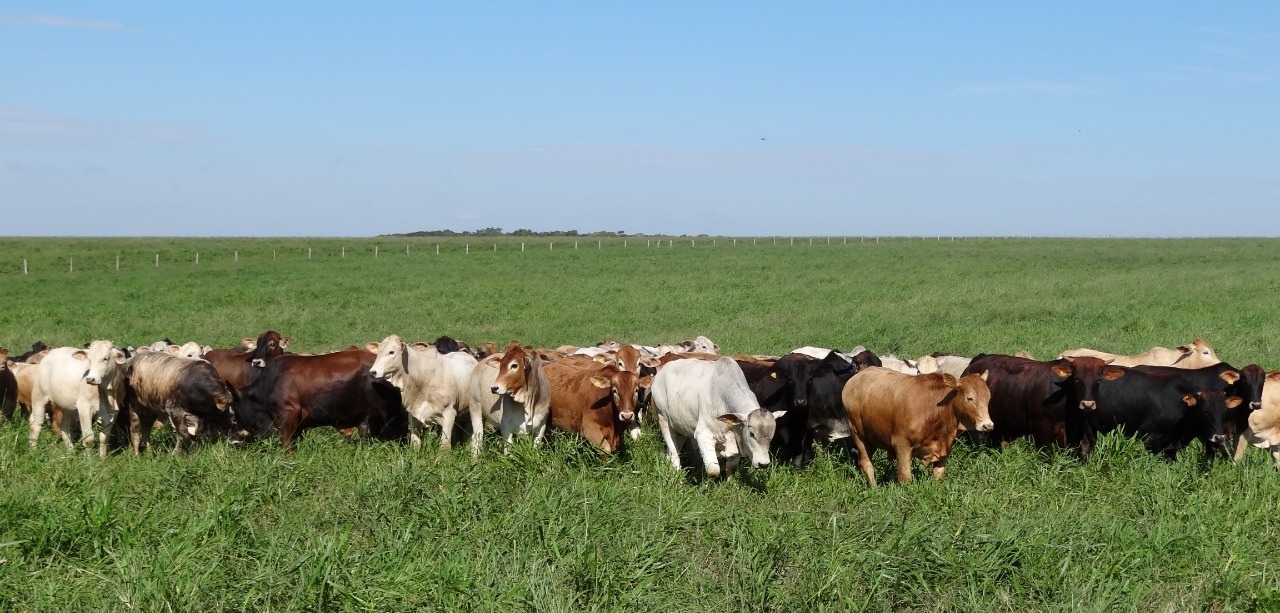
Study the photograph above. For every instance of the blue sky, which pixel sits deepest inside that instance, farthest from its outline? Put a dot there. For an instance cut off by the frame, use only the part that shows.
(743, 118)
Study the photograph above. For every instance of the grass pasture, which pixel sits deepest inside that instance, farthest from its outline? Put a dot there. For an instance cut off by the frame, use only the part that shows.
(375, 527)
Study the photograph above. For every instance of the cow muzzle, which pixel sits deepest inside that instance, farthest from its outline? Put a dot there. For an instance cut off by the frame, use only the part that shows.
(91, 380)
(1218, 438)
(1255, 405)
(258, 363)
(762, 464)
(986, 426)
(626, 416)
(498, 390)
(800, 402)
(1088, 405)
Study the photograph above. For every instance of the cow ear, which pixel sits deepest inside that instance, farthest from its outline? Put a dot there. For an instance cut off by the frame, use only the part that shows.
(1189, 399)
(249, 343)
(949, 380)
(422, 345)
(1274, 376)
(1234, 401)
(600, 382)
(119, 355)
(730, 418)
(1185, 349)
(143, 349)
(80, 355)
(600, 359)
(372, 347)
(4, 352)
(1230, 376)
(779, 414)
(984, 374)
(174, 349)
(285, 342)
(644, 381)
(1111, 374)
(1062, 371)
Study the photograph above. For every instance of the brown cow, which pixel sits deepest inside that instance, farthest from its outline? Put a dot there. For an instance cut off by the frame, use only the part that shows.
(914, 416)
(510, 391)
(594, 400)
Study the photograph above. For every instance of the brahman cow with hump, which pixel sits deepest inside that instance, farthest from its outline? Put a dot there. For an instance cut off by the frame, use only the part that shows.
(1197, 354)
(428, 384)
(87, 384)
(509, 391)
(710, 402)
(1041, 399)
(297, 392)
(596, 401)
(913, 416)
(187, 391)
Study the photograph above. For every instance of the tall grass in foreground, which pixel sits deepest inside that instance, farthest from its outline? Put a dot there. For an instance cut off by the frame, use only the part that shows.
(376, 527)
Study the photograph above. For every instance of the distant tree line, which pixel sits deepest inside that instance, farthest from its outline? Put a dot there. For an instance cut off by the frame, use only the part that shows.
(499, 232)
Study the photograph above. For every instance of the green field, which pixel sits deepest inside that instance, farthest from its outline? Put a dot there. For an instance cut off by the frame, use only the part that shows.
(335, 526)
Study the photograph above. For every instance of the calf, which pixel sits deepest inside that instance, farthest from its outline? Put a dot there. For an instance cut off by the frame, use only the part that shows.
(596, 401)
(914, 416)
(1040, 399)
(295, 393)
(711, 402)
(1197, 354)
(1165, 407)
(428, 387)
(85, 383)
(189, 392)
(509, 391)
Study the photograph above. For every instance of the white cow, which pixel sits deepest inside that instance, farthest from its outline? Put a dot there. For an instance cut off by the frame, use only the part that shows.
(711, 403)
(896, 364)
(511, 392)
(87, 384)
(427, 384)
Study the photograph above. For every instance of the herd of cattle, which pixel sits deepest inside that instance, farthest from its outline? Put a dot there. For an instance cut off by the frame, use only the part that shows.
(773, 406)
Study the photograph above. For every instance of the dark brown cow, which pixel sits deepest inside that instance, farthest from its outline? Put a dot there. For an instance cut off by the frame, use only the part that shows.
(913, 415)
(594, 400)
(239, 367)
(295, 393)
(188, 392)
(1030, 397)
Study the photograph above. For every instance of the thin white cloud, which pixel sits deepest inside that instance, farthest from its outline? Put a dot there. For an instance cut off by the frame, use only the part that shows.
(1056, 89)
(58, 21)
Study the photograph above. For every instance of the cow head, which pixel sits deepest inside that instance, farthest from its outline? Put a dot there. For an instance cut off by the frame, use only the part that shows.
(1209, 408)
(624, 391)
(104, 361)
(4, 358)
(192, 351)
(865, 359)
(269, 345)
(1082, 375)
(968, 397)
(755, 432)
(514, 369)
(392, 357)
(446, 344)
(791, 374)
(1249, 387)
(1198, 352)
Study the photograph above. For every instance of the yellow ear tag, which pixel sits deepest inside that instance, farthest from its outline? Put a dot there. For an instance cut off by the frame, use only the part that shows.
(600, 383)
(773, 375)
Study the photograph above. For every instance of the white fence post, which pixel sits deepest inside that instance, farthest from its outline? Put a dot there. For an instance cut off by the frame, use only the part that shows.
(273, 254)
(468, 248)
(117, 261)
(375, 251)
(72, 265)
(308, 253)
(406, 250)
(238, 253)
(344, 252)
(24, 266)
(157, 260)
(197, 257)
(521, 247)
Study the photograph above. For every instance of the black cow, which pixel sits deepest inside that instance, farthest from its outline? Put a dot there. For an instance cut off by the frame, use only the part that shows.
(189, 392)
(8, 386)
(808, 389)
(1043, 400)
(447, 344)
(1165, 407)
(295, 393)
(1249, 390)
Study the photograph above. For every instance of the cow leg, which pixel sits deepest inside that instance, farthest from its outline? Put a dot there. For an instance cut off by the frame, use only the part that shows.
(540, 429)
(902, 450)
(139, 431)
(1242, 443)
(287, 425)
(39, 403)
(1275, 456)
(55, 420)
(85, 410)
(447, 418)
(732, 455)
(107, 413)
(416, 429)
(940, 468)
(864, 459)
(674, 441)
(70, 426)
(707, 448)
(477, 427)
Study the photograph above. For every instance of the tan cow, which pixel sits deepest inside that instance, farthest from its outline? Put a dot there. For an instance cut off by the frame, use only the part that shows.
(428, 386)
(1264, 423)
(1198, 354)
(914, 416)
(594, 400)
(510, 391)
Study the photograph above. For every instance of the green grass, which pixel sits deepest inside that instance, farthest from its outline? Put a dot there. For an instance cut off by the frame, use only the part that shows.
(336, 526)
